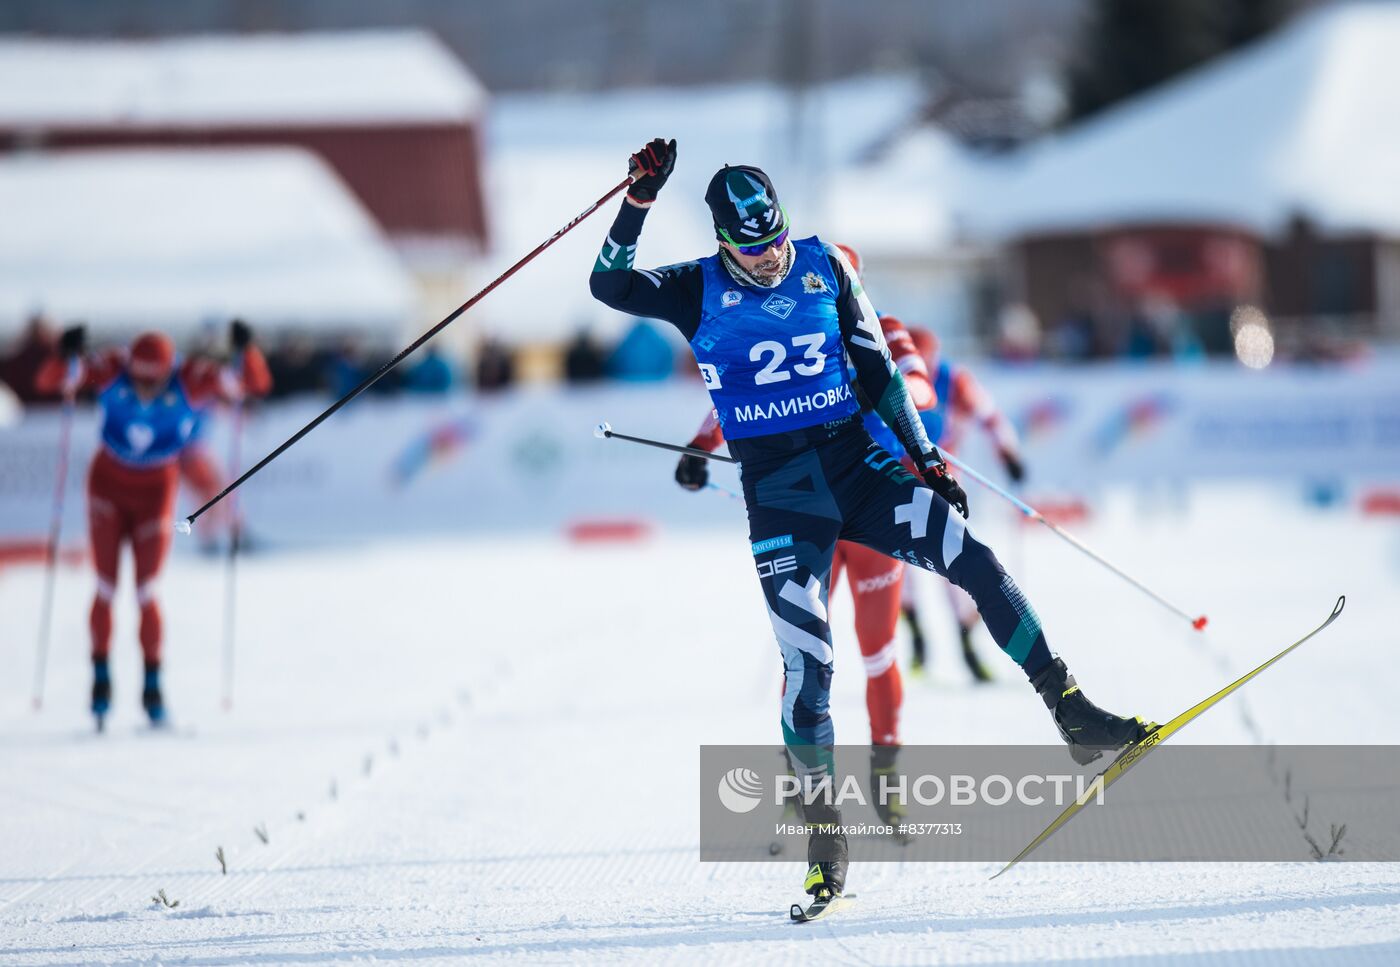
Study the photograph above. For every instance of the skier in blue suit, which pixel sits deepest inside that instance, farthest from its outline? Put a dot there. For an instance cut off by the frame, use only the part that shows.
(772, 321)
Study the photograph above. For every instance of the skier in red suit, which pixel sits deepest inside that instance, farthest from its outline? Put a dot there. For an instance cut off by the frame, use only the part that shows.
(964, 402)
(149, 405)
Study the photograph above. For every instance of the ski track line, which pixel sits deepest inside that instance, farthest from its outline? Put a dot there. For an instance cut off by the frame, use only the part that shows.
(202, 887)
(1223, 663)
(304, 836)
(79, 892)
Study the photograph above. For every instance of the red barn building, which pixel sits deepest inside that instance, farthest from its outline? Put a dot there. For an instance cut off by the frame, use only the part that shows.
(1266, 177)
(394, 113)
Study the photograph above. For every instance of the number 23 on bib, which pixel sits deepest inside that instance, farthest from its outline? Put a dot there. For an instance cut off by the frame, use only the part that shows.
(772, 358)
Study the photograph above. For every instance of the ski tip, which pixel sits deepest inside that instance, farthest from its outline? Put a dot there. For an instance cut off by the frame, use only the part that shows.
(603, 430)
(182, 526)
(1200, 623)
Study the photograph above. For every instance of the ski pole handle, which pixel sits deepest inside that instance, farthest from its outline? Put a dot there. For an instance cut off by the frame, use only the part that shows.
(1017, 502)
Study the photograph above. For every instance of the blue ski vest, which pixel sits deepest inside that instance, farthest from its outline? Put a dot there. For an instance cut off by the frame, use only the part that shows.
(145, 434)
(773, 359)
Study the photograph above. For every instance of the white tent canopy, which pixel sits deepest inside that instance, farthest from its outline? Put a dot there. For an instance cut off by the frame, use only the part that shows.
(322, 78)
(168, 238)
(1306, 122)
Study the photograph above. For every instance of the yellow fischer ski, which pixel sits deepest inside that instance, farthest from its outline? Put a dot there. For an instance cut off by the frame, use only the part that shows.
(1134, 754)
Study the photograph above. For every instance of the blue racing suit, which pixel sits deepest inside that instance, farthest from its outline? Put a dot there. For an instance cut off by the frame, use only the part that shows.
(774, 359)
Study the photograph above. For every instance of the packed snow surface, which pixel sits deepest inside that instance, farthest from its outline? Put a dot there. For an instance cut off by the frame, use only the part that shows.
(488, 749)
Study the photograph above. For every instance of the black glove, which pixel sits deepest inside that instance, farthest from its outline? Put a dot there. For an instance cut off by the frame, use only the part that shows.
(73, 341)
(943, 484)
(240, 334)
(693, 472)
(1015, 469)
(649, 168)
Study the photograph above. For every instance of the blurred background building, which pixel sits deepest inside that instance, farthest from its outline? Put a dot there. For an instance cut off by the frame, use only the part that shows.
(1059, 179)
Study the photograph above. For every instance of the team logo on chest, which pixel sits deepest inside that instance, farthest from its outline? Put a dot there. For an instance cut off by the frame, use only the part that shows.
(731, 298)
(140, 436)
(780, 305)
(813, 283)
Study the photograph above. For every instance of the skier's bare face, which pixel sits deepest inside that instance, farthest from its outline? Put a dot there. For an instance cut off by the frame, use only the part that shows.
(765, 267)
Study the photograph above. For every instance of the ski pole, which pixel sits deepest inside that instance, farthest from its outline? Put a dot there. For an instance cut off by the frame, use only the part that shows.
(70, 393)
(235, 537)
(724, 490)
(1198, 621)
(183, 526)
(605, 431)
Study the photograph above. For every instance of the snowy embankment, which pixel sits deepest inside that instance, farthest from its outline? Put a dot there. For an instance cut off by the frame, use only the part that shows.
(489, 748)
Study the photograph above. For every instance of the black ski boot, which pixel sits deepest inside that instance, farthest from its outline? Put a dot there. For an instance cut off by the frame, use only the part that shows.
(1087, 729)
(826, 851)
(974, 664)
(101, 692)
(792, 807)
(151, 699)
(916, 639)
(890, 808)
(826, 877)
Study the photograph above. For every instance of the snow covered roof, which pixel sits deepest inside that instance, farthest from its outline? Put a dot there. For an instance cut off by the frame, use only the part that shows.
(550, 155)
(387, 76)
(912, 203)
(737, 123)
(1306, 122)
(134, 238)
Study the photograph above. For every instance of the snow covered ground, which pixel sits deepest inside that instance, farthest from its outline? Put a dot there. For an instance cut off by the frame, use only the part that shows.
(472, 748)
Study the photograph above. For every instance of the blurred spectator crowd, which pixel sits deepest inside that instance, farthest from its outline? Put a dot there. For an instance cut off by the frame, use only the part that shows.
(302, 366)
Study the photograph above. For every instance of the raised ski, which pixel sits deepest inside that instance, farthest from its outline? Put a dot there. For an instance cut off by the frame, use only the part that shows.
(1135, 753)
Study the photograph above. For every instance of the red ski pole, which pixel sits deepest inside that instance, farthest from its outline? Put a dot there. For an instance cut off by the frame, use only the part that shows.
(183, 526)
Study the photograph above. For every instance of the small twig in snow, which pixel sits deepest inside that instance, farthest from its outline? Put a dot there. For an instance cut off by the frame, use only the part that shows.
(1337, 833)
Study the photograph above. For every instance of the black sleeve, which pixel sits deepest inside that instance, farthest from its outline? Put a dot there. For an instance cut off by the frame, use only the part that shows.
(879, 378)
(673, 292)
